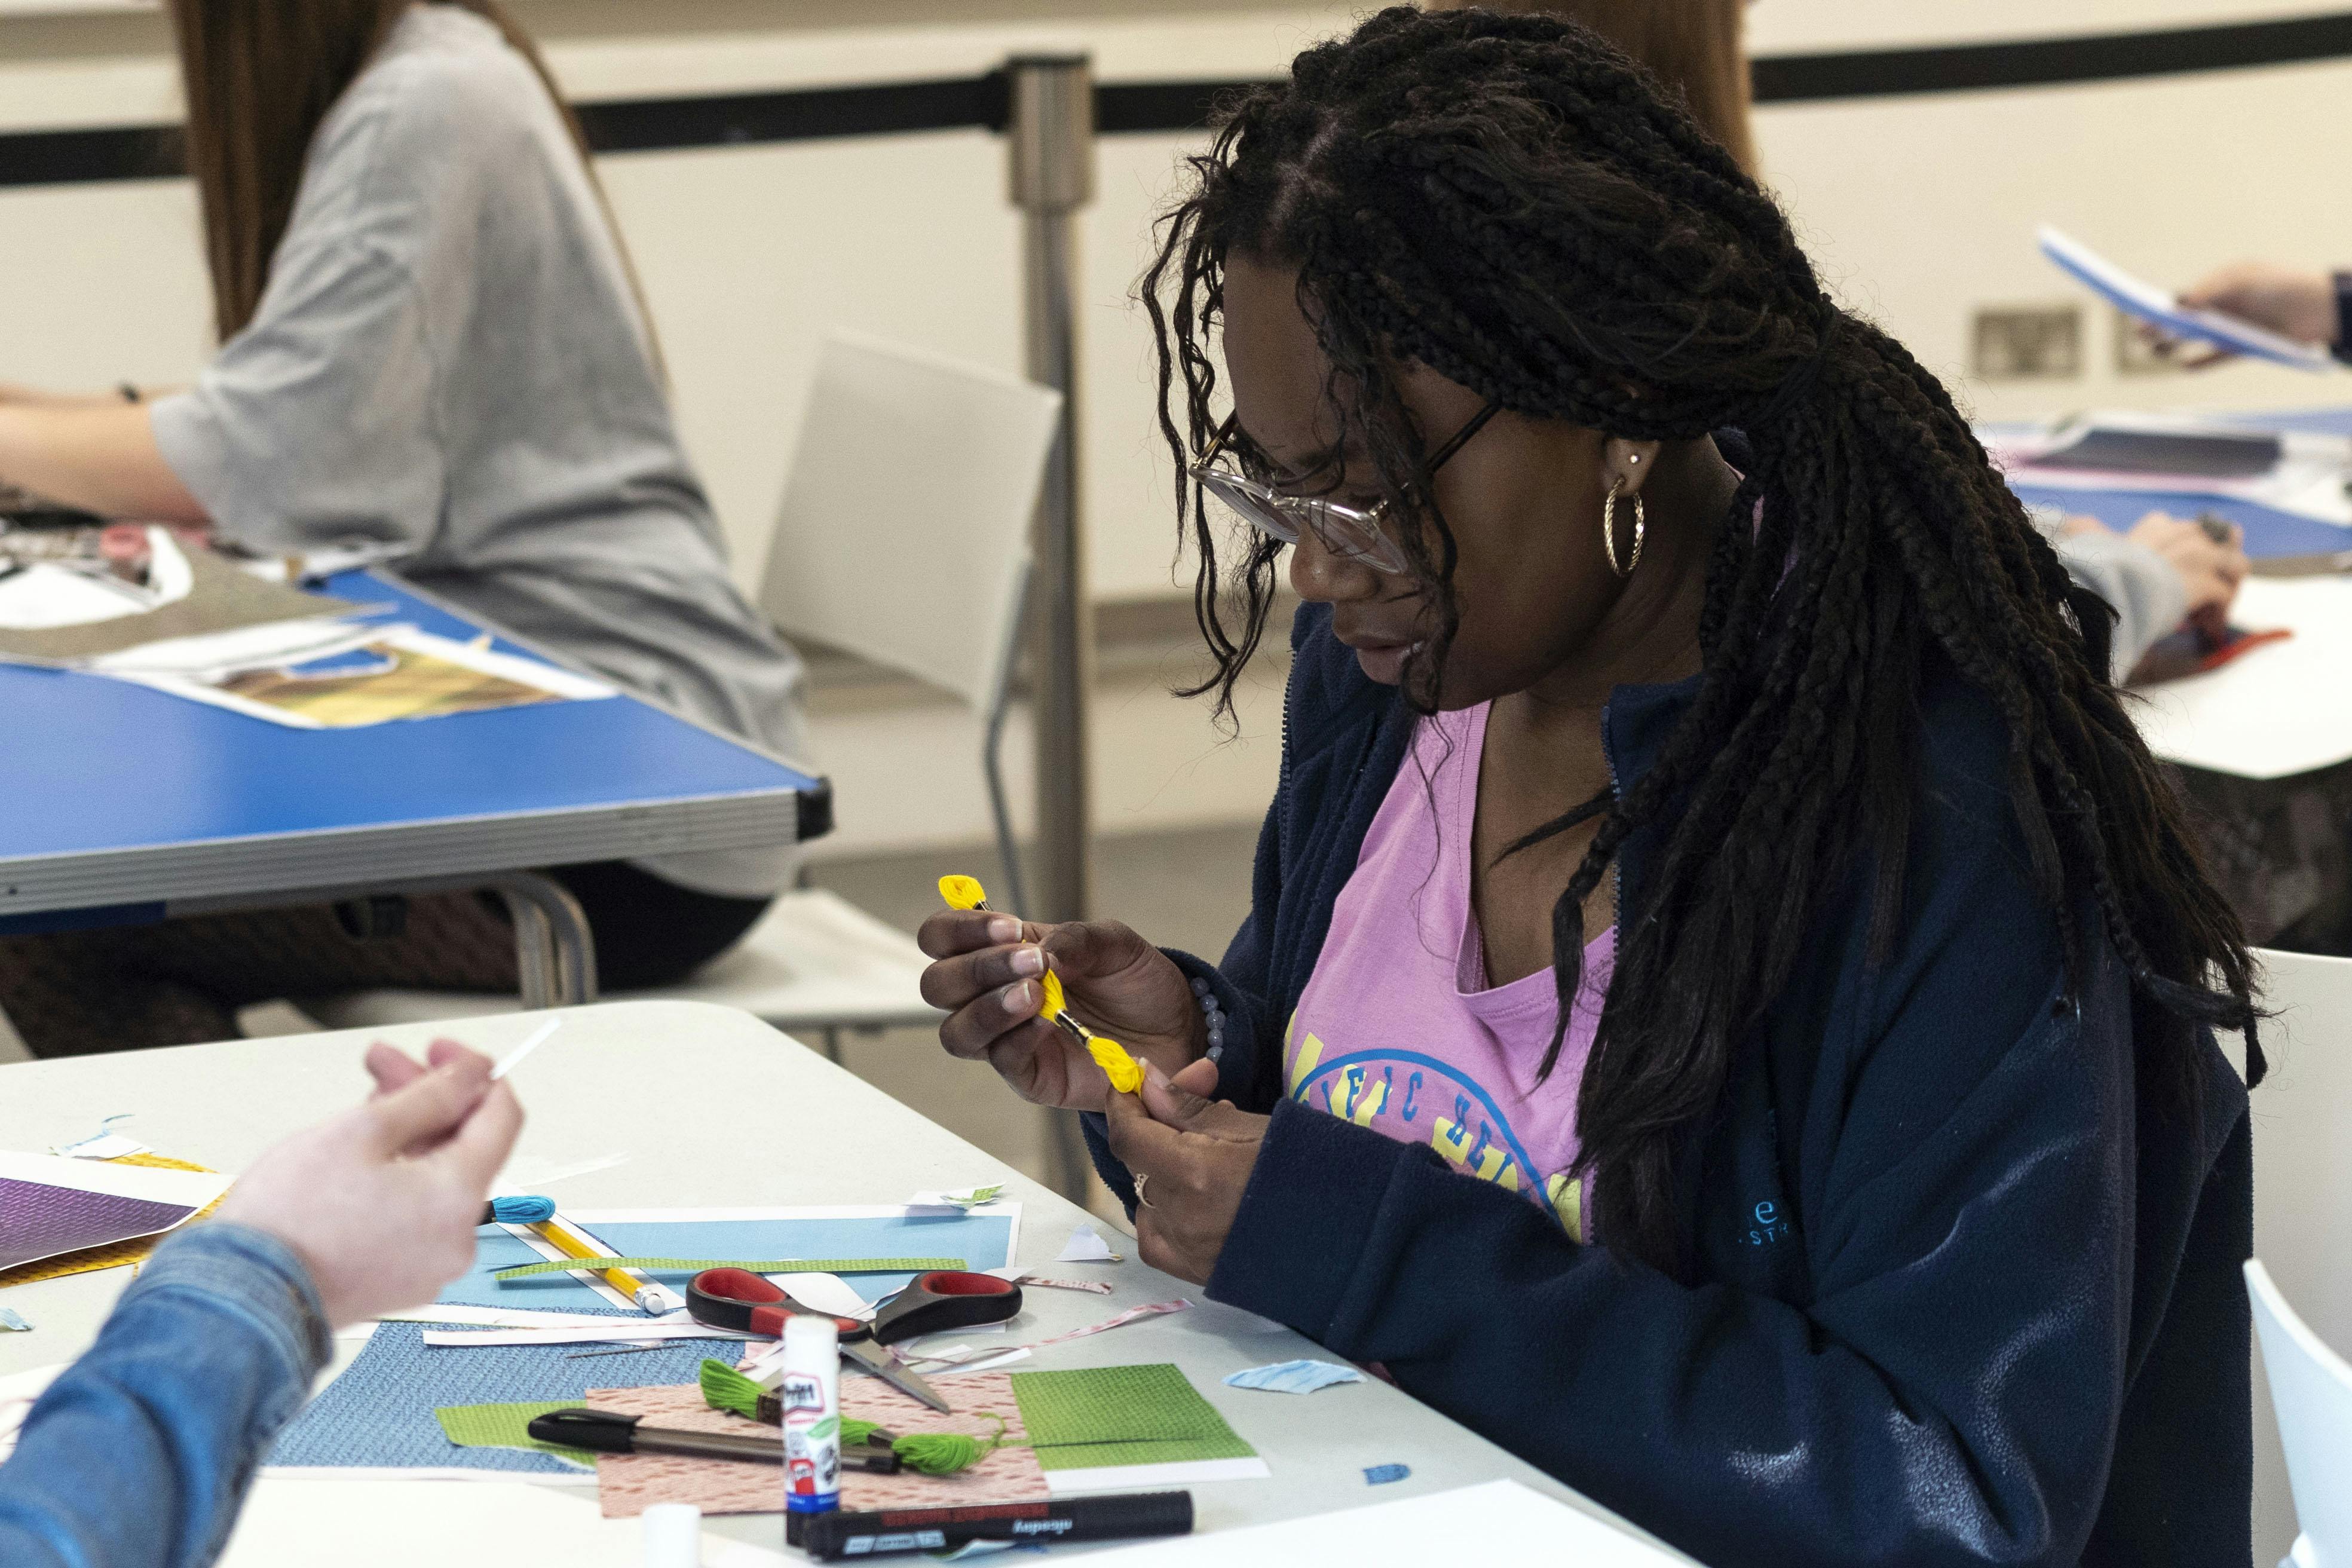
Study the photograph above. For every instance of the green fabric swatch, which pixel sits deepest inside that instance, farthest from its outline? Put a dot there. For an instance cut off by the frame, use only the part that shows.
(1146, 1415)
(755, 1266)
(1180, 1450)
(505, 1427)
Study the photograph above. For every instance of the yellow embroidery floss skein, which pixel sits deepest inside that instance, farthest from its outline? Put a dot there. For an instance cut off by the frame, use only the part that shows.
(1126, 1074)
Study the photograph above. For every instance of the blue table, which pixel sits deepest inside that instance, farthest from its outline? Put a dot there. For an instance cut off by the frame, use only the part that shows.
(125, 806)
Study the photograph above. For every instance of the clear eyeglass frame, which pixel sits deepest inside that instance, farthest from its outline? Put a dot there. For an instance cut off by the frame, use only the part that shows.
(1353, 533)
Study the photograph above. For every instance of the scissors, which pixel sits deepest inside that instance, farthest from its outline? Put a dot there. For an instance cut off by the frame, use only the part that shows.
(946, 1298)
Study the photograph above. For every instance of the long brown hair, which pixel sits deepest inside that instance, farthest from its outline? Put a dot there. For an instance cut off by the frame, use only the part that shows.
(259, 76)
(1695, 49)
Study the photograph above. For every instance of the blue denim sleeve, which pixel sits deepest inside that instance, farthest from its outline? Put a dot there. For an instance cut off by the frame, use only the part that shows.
(139, 1454)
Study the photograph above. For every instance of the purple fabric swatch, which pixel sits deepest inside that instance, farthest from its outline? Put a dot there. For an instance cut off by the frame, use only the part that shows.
(39, 1221)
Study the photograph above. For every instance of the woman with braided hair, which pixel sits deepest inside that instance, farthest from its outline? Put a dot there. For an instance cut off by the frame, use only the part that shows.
(1728, 1007)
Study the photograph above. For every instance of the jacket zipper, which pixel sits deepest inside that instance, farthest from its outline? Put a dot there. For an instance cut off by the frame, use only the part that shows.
(1616, 797)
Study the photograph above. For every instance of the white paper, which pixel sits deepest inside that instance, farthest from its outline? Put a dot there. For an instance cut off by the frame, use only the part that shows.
(1085, 1246)
(513, 1318)
(615, 1332)
(828, 1293)
(1185, 1473)
(196, 686)
(1507, 1522)
(963, 1200)
(215, 656)
(768, 1211)
(982, 1364)
(146, 1183)
(2274, 712)
(47, 594)
(2162, 307)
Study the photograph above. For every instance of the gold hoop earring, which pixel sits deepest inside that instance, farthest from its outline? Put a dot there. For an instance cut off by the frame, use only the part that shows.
(1609, 531)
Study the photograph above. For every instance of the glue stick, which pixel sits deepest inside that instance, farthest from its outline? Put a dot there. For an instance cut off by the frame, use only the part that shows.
(809, 1401)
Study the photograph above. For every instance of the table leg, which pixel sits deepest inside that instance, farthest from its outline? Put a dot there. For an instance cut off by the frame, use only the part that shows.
(555, 953)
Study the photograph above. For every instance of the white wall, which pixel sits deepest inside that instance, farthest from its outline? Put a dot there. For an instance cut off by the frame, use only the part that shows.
(1920, 209)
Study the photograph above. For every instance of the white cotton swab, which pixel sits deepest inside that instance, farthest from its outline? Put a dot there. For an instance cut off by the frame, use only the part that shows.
(513, 1058)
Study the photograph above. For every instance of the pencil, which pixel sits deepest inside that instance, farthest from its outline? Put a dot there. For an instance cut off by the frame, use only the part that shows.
(648, 1295)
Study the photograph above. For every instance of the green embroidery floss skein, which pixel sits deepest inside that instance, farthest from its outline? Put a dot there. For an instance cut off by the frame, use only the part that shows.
(932, 1453)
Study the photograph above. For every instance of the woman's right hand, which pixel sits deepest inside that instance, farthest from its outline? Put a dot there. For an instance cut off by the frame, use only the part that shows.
(381, 1202)
(986, 975)
(2210, 569)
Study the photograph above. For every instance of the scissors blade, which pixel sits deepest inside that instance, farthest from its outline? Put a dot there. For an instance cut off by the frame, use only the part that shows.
(872, 1358)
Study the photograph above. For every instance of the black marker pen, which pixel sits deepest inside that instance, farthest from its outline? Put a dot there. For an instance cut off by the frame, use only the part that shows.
(830, 1537)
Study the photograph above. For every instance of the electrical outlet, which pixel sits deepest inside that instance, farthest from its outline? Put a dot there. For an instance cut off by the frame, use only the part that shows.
(2028, 342)
(2135, 355)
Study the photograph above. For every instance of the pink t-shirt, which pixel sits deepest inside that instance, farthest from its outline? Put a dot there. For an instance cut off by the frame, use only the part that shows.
(1398, 1029)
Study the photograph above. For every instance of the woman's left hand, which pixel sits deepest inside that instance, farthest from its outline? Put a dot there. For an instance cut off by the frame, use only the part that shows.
(1192, 1159)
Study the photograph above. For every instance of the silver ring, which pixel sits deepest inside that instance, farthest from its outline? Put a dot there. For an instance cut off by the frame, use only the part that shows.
(1139, 1198)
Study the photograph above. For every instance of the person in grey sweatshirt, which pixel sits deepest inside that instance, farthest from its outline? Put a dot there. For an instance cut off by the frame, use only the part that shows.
(2156, 575)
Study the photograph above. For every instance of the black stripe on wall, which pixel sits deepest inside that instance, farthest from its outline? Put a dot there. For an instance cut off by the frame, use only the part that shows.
(661, 124)
(656, 124)
(2048, 62)
(66, 157)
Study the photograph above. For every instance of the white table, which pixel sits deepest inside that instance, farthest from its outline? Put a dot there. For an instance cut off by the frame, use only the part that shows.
(603, 1086)
(2274, 712)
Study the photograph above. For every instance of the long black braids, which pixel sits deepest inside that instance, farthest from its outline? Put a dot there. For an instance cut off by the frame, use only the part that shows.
(1511, 203)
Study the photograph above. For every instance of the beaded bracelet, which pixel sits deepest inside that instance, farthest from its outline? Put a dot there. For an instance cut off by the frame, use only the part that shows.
(1212, 1016)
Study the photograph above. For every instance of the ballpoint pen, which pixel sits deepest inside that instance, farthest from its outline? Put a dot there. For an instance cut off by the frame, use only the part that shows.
(1126, 1074)
(613, 1432)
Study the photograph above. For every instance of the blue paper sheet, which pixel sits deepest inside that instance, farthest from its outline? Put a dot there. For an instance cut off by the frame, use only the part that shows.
(379, 1413)
(981, 1240)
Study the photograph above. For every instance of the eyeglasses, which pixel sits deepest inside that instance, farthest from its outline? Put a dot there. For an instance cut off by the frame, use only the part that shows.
(1353, 534)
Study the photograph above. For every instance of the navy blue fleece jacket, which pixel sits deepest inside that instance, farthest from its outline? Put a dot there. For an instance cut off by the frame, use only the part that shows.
(1970, 1287)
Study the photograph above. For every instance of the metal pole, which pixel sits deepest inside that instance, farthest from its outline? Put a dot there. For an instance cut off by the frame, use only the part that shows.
(1052, 165)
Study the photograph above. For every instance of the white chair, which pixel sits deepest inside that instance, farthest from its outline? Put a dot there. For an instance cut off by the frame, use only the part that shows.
(903, 537)
(2303, 1225)
(2311, 1386)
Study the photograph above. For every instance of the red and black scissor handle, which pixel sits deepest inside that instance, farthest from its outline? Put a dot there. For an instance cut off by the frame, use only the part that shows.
(740, 1299)
(946, 1298)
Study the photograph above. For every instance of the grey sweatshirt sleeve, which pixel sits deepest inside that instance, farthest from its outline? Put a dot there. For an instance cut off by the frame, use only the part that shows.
(2149, 598)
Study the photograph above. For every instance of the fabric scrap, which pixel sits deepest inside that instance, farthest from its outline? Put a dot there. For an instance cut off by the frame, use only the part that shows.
(506, 1426)
(105, 1144)
(1294, 1376)
(1113, 1404)
(1131, 1315)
